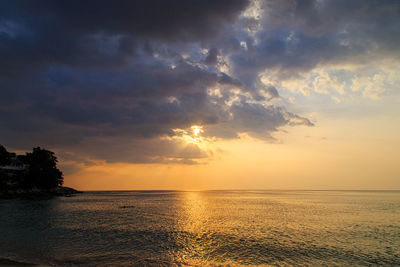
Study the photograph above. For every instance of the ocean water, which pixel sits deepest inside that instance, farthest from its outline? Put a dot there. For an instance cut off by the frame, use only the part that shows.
(209, 228)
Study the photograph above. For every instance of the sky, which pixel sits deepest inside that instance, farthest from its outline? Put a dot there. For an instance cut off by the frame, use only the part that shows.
(202, 95)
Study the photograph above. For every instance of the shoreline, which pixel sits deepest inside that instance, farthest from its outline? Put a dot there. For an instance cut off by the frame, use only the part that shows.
(39, 194)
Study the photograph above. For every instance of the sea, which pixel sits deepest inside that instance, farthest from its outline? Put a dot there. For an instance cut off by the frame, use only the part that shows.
(204, 228)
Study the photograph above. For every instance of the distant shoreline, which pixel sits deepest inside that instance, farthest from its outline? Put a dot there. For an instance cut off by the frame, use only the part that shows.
(39, 193)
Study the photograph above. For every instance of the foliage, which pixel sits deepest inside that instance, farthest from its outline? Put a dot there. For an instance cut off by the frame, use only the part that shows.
(43, 172)
(39, 170)
(4, 156)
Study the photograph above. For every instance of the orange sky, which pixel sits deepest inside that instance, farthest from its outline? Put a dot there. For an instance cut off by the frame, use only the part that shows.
(335, 154)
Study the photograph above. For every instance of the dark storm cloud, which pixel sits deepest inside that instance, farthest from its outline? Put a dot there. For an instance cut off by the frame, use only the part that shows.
(102, 34)
(145, 95)
(112, 80)
(212, 57)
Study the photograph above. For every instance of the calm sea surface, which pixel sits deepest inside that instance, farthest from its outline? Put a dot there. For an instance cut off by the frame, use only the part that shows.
(279, 228)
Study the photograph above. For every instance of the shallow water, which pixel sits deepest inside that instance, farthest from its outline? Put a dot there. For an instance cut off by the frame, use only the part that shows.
(343, 228)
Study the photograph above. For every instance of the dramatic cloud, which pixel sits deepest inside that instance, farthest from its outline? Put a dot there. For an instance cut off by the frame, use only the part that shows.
(288, 39)
(125, 81)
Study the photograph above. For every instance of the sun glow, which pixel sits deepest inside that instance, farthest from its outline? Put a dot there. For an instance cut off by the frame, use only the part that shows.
(197, 130)
(193, 139)
(192, 135)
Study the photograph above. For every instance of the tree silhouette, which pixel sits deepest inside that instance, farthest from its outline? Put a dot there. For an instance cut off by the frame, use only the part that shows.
(36, 169)
(4, 156)
(42, 172)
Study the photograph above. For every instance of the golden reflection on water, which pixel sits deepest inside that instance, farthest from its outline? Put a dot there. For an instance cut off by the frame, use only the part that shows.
(194, 225)
(194, 212)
